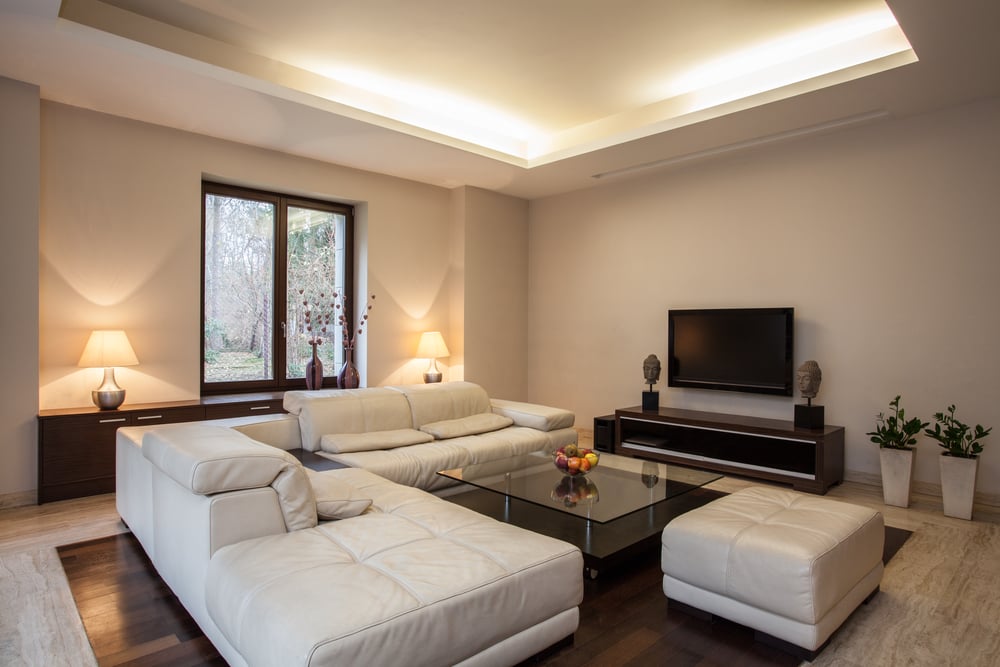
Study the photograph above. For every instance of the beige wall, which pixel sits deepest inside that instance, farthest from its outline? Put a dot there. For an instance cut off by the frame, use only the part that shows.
(19, 186)
(863, 232)
(496, 292)
(120, 243)
(453, 368)
(118, 230)
(884, 239)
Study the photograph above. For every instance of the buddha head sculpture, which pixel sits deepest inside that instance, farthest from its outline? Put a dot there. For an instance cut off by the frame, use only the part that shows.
(809, 378)
(651, 369)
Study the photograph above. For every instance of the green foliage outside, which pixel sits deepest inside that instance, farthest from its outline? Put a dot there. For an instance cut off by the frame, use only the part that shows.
(239, 288)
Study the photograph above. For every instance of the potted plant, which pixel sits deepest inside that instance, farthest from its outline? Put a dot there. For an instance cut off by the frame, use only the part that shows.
(959, 461)
(895, 435)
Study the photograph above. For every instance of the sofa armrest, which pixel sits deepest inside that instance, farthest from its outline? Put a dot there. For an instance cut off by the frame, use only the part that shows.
(531, 415)
(208, 459)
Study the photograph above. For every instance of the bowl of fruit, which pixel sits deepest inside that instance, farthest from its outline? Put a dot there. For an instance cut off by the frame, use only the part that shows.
(574, 460)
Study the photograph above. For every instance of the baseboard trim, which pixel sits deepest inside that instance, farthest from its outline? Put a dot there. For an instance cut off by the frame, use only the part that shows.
(923, 488)
(19, 499)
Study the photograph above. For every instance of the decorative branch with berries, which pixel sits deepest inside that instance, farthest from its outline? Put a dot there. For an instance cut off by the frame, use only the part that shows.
(350, 335)
(318, 314)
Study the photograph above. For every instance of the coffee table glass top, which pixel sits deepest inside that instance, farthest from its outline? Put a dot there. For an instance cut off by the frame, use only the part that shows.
(619, 485)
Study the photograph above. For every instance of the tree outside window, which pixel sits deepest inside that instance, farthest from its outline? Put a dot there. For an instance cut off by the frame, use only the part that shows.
(267, 259)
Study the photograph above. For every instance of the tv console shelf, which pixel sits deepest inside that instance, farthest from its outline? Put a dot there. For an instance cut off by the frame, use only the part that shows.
(809, 459)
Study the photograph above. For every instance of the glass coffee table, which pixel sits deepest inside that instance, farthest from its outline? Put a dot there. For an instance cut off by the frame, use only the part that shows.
(615, 512)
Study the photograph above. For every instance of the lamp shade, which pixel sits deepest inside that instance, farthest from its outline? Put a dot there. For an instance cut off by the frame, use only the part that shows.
(432, 346)
(106, 349)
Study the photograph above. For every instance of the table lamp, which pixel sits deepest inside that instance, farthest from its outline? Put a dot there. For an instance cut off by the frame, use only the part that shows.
(432, 347)
(107, 349)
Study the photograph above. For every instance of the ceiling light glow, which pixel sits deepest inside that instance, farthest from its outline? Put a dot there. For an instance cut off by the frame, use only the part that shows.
(789, 48)
(790, 62)
(433, 109)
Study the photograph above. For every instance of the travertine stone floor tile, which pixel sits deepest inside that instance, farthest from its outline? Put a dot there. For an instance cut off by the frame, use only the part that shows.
(939, 604)
(39, 624)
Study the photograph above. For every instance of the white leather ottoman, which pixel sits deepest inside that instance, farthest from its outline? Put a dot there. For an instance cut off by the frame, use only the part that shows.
(792, 566)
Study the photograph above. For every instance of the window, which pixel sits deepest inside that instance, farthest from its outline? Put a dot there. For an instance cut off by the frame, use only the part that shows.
(271, 265)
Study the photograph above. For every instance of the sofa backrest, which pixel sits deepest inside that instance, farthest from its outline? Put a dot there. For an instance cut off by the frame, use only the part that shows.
(444, 401)
(209, 459)
(341, 411)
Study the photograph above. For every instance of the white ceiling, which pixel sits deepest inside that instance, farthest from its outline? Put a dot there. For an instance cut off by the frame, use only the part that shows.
(524, 97)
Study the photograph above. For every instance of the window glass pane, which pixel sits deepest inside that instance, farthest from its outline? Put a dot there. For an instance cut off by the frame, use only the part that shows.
(239, 289)
(315, 265)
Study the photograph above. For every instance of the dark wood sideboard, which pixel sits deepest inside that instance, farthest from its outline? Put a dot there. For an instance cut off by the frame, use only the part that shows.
(76, 446)
(809, 459)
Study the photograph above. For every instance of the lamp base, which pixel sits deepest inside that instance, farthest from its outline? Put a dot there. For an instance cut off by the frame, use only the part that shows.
(108, 400)
(432, 374)
(109, 395)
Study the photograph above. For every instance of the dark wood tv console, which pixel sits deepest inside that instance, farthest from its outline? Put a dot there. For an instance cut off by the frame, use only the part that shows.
(809, 459)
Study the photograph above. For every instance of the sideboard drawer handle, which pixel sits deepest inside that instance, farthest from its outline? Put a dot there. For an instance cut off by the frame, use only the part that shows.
(260, 407)
(141, 418)
(112, 421)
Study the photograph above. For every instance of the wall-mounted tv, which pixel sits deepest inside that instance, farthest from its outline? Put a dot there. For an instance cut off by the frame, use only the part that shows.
(732, 349)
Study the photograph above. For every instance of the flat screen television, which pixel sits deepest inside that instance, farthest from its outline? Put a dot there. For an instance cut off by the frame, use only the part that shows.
(732, 349)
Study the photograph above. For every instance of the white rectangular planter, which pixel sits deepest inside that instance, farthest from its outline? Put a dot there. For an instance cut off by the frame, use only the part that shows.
(958, 485)
(897, 471)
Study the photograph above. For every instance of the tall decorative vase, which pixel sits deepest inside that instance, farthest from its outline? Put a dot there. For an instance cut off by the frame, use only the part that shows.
(958, 485)
(314, 371)
(349, 378)
(897, 471)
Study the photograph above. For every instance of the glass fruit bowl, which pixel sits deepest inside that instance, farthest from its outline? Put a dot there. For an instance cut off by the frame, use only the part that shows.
(573, 460)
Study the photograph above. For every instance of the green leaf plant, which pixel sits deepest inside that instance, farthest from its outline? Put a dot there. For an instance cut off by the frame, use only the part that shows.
(956, 437)
(895, 431)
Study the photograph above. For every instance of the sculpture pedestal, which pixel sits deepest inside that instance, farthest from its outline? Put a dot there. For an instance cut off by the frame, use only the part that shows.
(651, 400)
(809, 416)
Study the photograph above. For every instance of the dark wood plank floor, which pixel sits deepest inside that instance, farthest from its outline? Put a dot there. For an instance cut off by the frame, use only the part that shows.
(132, 618)
(130, 615)
(624, 620)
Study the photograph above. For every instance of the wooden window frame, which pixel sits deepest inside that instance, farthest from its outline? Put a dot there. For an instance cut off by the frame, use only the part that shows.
(280, 272)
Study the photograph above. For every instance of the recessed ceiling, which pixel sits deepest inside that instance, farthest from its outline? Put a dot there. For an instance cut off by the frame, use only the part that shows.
(523, 97)
(524, 81)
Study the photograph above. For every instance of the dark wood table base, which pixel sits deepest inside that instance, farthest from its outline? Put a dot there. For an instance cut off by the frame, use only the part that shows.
(604, 545)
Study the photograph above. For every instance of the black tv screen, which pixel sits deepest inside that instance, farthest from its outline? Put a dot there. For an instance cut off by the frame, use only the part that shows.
(732, 349)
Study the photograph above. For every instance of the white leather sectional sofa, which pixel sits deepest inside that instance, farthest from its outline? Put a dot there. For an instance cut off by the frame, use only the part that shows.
(408, 433)
(280, 565)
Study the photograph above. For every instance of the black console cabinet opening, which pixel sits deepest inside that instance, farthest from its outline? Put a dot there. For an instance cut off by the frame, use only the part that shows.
(809, 459)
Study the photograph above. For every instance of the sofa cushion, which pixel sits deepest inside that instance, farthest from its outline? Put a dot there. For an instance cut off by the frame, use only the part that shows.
(339, 443)
(418, 465)
(420, 582)
(328, 412)
(540, 417)
(210, 459)
(443, 401)
(471, 425)
(335, 498)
